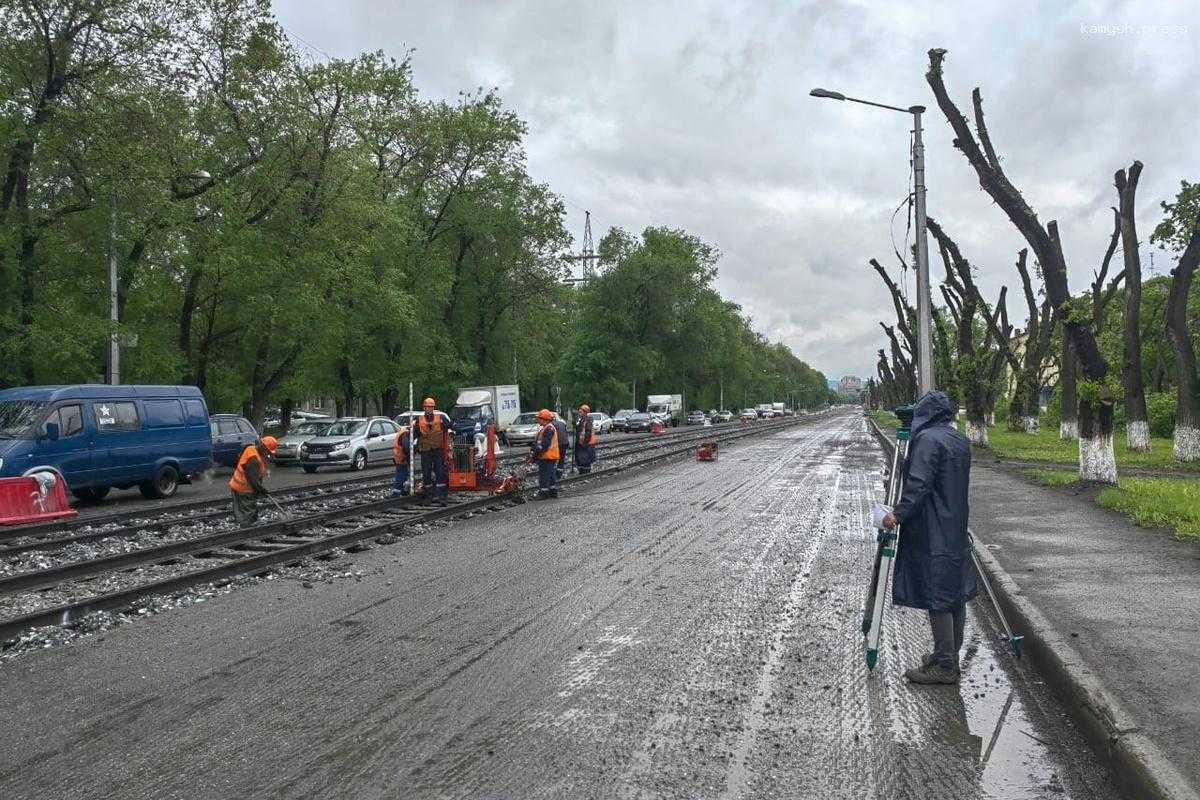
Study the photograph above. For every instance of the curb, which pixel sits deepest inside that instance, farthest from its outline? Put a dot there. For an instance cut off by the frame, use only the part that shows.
(1141, 769)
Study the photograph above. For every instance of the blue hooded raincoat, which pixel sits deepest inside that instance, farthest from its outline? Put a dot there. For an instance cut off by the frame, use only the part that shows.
(933, 564)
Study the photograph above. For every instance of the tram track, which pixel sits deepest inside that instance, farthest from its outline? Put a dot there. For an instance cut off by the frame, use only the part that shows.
(221, 555)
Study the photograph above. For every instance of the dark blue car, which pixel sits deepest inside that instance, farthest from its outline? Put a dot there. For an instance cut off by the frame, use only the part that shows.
(230, 435)
(103, 437)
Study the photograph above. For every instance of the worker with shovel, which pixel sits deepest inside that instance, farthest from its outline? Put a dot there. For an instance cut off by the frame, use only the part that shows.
(934, 570)
(432, 433)
(247, 481)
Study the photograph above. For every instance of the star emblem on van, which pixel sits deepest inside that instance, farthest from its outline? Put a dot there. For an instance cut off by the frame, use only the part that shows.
(104, 412)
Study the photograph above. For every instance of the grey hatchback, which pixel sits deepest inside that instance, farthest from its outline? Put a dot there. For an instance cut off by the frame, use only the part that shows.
(352, 442)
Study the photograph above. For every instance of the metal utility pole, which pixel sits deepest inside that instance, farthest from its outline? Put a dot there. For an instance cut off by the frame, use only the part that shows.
(924, 305)
(587, 253)
(114, 346)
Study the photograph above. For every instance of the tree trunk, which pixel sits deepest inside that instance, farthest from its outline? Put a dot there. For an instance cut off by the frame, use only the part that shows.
(187, 315)
(1068, 427)
(1096, 459)
(285, 414)
(1187, 421)
(1137, 428)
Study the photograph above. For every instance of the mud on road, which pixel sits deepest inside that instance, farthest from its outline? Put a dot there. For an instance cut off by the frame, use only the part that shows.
(690, 631)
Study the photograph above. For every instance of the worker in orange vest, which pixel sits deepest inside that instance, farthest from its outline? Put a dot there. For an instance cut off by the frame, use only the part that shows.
(545, 450)
(400, 459)
(432, 435)
(247, 481)
(586, 440)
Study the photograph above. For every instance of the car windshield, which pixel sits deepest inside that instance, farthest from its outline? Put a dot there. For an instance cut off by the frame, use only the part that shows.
(626, 412)
(596, 415)
(466, 412)
(17, 416)
(639, 415)
(309, 429)
(349, 427)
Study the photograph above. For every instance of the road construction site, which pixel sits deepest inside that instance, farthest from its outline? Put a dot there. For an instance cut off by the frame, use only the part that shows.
(672, 629)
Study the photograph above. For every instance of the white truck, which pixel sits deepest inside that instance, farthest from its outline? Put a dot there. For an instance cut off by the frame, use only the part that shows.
(479, 406)
(778, 409)
(667, 407)
(764, 411)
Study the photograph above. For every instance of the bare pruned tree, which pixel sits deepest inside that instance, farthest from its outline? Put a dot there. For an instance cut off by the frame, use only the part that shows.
(1187, 418)
(1137, 426)
(1096, 459)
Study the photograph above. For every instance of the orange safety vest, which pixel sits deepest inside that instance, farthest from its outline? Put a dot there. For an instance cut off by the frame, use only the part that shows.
(594, 439)
(238, 482)
(399, 449)
(431, 432)
(551, 452)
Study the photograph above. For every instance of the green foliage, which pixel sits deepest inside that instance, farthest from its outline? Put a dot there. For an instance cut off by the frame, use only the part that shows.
(1053, 477)
(1160, 408)
(1046, 446)
(290, 230)
(1166, 502)
(1176, 228)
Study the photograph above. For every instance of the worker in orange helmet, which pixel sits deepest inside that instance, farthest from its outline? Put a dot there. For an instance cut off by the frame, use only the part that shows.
(400, 458)
(432, 436)
(586, 440)
(247, 481)
(545, 450)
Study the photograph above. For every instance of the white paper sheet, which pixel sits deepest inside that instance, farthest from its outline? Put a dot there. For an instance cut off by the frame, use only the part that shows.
(878, 512)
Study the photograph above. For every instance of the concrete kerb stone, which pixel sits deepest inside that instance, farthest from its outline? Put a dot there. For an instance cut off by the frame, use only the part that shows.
(1143, 770)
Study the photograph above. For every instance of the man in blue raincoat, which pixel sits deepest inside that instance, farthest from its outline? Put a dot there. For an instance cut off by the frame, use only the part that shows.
(934, 570)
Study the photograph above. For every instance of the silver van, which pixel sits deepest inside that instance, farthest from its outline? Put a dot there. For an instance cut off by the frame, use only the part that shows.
(352, 442)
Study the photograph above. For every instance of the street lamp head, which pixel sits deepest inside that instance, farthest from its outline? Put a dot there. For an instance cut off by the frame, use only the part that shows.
(828, 94)
(916, 109)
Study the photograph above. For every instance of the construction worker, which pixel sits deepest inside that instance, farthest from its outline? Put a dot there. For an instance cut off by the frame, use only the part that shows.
(586, 440)
(247, 481)
(432, 434)
(545, 450)
(564, 444)
(400, 451)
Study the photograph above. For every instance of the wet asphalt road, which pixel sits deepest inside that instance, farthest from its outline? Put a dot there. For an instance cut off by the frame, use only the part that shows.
(686, 632)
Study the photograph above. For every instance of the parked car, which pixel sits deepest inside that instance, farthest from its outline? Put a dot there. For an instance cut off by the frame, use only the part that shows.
(748, 415)
(230, 435)
(622, 417)
(352, 442)
(274, 422)
(723, 416)
(288, 451)
(639, 421)
(523, 429)
(601, 422)
(102, 437)
(696, 418)
(406, 419)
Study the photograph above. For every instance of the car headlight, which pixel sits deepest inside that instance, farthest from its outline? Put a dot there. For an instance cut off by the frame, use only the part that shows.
(340, 446)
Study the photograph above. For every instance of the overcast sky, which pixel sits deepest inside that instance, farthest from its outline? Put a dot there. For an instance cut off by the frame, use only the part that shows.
(696, 115)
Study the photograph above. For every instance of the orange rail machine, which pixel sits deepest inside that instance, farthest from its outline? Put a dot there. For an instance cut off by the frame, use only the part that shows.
(707, 451)
(466, 474)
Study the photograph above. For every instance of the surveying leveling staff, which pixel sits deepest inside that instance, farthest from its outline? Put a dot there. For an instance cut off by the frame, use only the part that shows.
(545, 450)
(400, 459)
(586, 440)
(432, 433)
(247, 481)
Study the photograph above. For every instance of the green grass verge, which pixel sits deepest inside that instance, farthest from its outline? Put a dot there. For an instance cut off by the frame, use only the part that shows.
(1046, 446)
(1171, 502)
(886, 420)
(1150, 502)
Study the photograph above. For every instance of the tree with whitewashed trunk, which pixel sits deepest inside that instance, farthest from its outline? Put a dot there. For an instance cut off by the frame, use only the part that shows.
(1097, 462)
(1137, 425)
(1181, 230)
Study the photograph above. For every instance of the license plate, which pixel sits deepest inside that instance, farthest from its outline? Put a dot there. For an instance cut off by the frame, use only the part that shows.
(316, 456)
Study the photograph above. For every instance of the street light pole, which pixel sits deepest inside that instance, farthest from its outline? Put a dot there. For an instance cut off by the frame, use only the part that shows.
(924, 305)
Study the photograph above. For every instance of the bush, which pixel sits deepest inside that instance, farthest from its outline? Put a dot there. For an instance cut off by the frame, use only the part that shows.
(1053, 413)
(1160, 408)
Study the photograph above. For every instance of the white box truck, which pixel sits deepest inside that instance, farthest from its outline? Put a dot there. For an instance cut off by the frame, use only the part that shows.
(778, 409)
(667, 407)
(478, 406)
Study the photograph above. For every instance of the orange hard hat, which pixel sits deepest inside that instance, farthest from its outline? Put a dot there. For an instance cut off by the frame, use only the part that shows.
(545, 413)
(270, 443)
(428, 402)
(585, 408)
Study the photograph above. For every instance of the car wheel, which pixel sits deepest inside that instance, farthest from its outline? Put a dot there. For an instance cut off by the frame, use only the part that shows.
(310, 469)
(360, 461)
(91, 494)
(164, 484)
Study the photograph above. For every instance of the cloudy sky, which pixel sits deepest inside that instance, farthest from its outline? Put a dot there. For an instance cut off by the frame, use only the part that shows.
(697, 115)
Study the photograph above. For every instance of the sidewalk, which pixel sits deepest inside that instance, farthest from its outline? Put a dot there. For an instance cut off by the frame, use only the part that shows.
(1127, 599)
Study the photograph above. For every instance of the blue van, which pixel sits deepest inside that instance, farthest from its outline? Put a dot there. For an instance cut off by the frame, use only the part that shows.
(99, 437)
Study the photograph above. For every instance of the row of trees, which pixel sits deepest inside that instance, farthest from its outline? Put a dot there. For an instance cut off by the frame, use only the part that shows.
(284, 229)
(1068, 338)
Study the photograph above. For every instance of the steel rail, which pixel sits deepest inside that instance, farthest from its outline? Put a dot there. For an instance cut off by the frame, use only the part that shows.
(292, 553)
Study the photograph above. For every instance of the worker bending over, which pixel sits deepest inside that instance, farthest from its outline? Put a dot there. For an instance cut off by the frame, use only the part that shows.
(545, 450)
(400, 451)
(432, 433)
(586, 440)
(247, 481)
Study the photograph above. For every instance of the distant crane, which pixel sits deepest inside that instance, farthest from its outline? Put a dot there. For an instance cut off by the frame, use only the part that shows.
(587, 253)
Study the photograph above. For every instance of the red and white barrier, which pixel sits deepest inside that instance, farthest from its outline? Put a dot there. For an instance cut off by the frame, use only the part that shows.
(38, 498)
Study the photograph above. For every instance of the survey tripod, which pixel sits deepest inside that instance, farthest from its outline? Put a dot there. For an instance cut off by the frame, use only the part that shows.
(888, 542)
